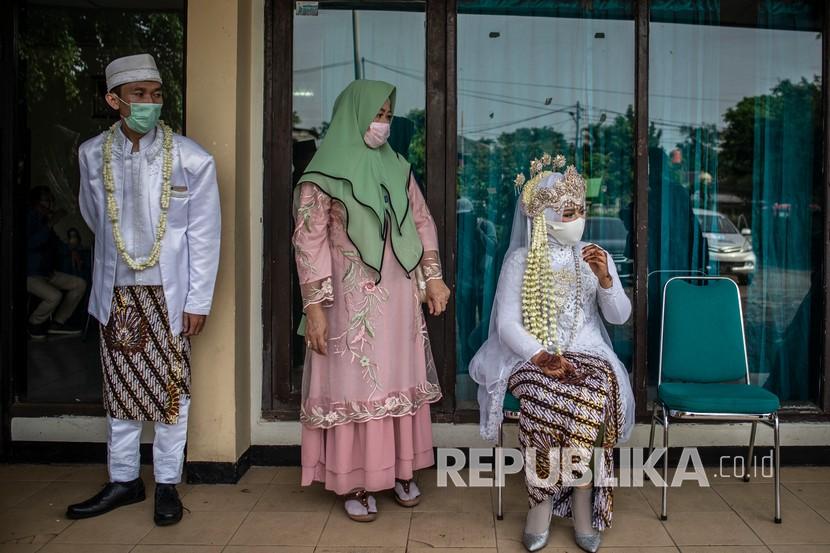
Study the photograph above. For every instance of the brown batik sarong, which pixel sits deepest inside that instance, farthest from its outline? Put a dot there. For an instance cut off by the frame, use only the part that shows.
(581, 414)
(139, 356)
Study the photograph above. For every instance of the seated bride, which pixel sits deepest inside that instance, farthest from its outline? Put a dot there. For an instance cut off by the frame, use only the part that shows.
(549, 348)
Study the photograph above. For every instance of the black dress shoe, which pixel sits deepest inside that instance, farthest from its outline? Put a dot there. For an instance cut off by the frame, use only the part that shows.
(168, 505)
(114, 495)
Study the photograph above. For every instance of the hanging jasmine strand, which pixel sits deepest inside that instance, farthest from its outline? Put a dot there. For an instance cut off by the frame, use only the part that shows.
(112, 205)
(540, 311)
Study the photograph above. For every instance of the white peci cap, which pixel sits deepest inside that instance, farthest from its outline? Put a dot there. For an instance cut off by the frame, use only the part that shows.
(131, 69)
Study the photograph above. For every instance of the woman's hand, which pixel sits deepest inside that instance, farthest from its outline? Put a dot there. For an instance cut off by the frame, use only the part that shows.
(437, 296)
(597, 260)
(316, 328)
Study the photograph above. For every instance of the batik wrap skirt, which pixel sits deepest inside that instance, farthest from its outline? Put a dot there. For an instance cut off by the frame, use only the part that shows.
(582, 413)
(146, 369)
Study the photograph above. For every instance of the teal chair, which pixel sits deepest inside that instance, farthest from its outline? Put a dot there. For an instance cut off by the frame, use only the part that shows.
(704, 371)
(511, 409)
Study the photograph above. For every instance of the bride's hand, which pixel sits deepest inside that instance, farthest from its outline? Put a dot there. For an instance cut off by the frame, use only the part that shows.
(597, 260)
(437, 296)
(554, 366)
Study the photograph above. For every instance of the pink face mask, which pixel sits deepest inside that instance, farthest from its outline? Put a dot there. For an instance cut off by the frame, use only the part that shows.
(377, 135)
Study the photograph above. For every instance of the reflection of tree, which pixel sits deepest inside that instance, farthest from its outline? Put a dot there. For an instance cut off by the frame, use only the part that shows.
(725, 169)
(608, 154)
(767, 115)
(417, 145)
(50, 53)
(59, 48)
(488, 166)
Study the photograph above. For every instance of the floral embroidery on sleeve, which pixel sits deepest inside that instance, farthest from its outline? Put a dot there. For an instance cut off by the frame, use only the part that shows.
(311, 246)
(431, 265)
(320, 291)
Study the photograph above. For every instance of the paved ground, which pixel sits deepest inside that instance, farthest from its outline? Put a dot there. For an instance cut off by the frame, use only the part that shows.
(268, 512)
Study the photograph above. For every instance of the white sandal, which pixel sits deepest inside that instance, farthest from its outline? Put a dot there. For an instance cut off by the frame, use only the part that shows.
(403, 499)
(366, 502)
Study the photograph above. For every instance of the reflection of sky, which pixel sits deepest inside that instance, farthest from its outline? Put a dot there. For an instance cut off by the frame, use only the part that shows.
(698, 73)
(505, 83)
(324, 58)
(536, 69)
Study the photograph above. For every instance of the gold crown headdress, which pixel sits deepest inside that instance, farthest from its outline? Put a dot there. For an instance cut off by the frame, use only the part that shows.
(540, 309)
(570, 192)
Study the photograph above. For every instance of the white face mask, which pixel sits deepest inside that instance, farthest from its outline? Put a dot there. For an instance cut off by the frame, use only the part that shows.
(567, 234)
(377, 135)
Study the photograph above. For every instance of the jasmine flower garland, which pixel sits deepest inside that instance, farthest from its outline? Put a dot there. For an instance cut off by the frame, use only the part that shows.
(112, 206)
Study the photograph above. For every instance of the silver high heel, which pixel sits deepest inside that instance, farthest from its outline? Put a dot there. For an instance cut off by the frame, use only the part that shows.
(535, 542)
(588, 542)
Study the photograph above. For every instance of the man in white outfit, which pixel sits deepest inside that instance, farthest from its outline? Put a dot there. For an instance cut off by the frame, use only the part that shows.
(152, 200)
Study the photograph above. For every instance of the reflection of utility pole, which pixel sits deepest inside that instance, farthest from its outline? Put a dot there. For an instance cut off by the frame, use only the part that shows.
(356, 44)
(463, 140)
(575, 115)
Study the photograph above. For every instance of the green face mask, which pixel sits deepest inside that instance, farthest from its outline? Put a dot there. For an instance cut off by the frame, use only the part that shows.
(143, 116)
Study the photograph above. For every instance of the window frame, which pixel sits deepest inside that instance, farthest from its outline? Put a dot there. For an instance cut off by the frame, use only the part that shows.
(441, 85)
(278, 402)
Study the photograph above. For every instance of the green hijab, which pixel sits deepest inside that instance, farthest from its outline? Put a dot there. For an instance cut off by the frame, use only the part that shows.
(370, 183)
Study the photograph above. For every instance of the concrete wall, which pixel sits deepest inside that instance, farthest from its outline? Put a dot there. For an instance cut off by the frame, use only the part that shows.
(218, 85)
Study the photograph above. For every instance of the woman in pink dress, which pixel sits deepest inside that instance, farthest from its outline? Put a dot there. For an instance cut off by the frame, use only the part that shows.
(363, 232)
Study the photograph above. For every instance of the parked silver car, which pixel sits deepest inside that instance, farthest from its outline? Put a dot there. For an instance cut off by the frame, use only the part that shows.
(730, 250)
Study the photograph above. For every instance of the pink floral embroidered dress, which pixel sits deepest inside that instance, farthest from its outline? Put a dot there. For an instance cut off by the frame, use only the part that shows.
(365, 409)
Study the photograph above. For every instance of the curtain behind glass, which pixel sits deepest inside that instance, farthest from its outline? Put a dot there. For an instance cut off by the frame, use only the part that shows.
(734, 168)
(781, 318)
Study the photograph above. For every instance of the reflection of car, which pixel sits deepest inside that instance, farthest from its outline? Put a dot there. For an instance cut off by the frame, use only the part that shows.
(610, 234)
(729, 248)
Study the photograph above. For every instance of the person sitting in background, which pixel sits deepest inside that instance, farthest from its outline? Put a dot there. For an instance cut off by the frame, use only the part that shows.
(75, 259)
(59, 292)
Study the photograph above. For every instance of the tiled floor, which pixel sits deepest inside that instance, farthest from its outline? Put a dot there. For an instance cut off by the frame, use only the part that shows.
(268, 512)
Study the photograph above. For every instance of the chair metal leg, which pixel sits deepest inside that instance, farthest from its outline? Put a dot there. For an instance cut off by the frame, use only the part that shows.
(653, 423)
(749, 454)
(499, 513)
(663, 509)
(651, 434)
(777, 468)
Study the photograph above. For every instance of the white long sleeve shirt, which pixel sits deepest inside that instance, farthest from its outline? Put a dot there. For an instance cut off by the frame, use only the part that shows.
(136, 223)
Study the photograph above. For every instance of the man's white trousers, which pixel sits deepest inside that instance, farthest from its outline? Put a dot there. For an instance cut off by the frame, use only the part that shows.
(123, 441)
